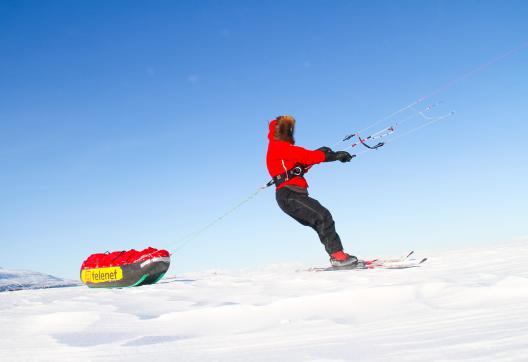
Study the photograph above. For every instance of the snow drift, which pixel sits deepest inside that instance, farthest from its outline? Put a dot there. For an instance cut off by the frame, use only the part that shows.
(11, 280)
(462, 305)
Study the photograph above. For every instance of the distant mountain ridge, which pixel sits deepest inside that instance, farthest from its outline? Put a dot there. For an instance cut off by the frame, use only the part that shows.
(11, 280)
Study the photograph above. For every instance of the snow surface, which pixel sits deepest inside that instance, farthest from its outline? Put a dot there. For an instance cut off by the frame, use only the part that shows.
(462, 305)
(24, 279)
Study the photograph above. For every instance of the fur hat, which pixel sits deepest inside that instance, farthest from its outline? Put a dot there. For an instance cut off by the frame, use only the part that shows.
(284, 129)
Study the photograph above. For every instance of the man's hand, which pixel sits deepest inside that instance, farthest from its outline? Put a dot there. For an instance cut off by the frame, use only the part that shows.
(330, 155)
(343, 156)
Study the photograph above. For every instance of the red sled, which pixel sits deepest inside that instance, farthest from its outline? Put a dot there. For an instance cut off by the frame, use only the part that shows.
(128, 268)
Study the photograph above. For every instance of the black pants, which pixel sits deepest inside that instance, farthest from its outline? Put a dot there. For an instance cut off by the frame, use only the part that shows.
(310, 212)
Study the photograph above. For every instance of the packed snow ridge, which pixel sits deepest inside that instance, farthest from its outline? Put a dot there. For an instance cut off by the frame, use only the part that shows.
(461, 305)
(11, 280)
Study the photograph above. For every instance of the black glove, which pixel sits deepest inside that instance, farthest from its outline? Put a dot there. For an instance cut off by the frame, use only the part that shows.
(330, 155)
(343, 156)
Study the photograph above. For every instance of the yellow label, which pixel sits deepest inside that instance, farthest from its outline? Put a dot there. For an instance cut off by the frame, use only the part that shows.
(101, 275)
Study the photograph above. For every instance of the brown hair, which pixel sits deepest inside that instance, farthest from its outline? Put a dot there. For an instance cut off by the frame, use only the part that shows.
(284, 129)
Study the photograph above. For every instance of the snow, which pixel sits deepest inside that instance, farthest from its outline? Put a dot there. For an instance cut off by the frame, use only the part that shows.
(23, 279)
(461, 305)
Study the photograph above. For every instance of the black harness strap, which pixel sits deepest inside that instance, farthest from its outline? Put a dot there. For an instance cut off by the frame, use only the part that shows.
(297, 171)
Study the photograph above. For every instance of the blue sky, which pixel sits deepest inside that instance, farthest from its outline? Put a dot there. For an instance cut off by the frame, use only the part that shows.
(126, 124)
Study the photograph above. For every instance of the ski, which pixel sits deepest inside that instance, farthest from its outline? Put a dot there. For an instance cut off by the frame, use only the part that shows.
(403, 262)
(395, 264)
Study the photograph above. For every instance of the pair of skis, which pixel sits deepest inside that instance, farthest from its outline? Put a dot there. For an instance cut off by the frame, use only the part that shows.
(404, 262)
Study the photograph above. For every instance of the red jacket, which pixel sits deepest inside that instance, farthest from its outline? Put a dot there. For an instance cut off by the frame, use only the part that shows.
(283, 156)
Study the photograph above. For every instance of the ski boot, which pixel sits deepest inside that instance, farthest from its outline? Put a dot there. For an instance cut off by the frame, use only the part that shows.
(342, 260)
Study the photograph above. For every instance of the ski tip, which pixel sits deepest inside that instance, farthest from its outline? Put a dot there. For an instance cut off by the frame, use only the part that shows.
(411, 253)
(423, 261)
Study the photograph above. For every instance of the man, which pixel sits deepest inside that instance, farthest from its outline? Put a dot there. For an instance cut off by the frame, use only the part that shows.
(287, 164)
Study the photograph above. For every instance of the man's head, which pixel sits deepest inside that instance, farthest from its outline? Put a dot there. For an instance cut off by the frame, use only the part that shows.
(285, 128)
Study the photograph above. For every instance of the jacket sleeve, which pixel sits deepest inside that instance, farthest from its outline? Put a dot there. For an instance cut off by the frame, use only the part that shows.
(302, 155)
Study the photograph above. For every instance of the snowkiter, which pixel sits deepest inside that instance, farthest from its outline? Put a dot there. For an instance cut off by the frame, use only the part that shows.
(287, 165)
